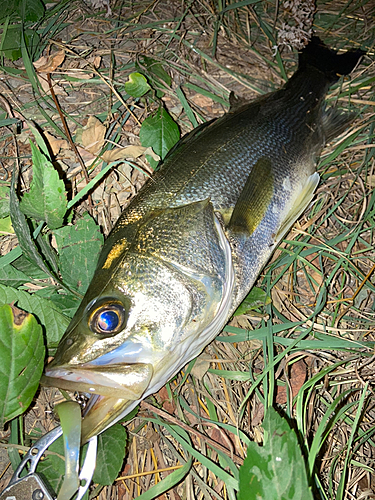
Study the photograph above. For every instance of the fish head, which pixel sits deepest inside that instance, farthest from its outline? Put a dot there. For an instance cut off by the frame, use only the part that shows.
(141, 321)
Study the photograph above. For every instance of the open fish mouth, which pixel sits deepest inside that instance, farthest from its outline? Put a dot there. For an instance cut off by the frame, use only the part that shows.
(112, 389)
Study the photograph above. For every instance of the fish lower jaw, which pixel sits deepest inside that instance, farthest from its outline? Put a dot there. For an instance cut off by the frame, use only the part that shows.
(125, 381)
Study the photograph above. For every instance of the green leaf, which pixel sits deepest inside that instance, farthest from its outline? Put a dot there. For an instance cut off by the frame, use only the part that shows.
(11, 42)
(65, 302)
(28, 10)
(256, 298)
(79, 247)
(167, 483)
(4, 201)
(6, 226)
(31, 10)
(53, 466)
(154, 69)
(21, 362)
(276, 470)
(137, 85)
(29, 268)
(46, 312)
(159, 132)
(46, 199)
(22, 230)
(111, 453)
(10, 276)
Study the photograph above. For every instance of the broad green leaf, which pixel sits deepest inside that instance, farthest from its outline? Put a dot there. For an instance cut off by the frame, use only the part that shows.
(159, 132)
(154, 69)
(277, 469)
(4, 201)
(10, 276)
(29, 268)
(256, 298)
(78, 248)
(22, 230)
(111, 453)
(47, 313)
(66, 303)
(6, 226)
(21, 362)
(11, 43)
(28, 10)
(137, 85)
(46, 199)
(53, 466)
(31, 10)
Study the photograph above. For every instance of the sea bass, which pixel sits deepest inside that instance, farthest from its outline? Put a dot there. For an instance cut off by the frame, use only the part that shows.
(190, 245)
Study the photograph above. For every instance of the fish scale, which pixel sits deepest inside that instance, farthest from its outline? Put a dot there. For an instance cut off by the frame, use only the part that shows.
(191, 244)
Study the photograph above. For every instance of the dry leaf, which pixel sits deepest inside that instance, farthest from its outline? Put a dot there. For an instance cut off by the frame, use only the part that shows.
(201, 366)
(296, 379)
(45, 86)
(56, 144)
(80, 75)
(95, 61)
(202, 101)
(86, 156)
(128, 152)
(163, 397)
(154, 156)
(93, 135)
(50, 63)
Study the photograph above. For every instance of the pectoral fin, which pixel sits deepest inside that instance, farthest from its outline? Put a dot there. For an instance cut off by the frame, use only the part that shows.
(254, 199)
(299, 206)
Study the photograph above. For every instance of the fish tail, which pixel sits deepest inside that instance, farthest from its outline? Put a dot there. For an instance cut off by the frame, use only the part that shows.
(328, 61)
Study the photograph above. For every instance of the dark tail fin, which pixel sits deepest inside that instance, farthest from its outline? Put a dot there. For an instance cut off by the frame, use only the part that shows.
(326, 60)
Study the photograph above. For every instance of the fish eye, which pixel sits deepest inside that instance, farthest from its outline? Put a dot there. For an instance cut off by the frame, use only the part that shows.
(107, 319)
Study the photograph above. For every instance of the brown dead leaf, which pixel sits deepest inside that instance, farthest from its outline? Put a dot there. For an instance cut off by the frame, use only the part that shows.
(167, 404)
(202, 101)
(95, 61)
(128, 152)
(48, 64)
(58, 89)
(221, 437)
(80, 75)
(296, 380)
(121, 153)
(201, 366)
(93, 135)
(56, 144)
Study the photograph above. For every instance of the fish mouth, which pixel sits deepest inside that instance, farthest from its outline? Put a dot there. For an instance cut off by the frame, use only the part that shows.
(112, 390)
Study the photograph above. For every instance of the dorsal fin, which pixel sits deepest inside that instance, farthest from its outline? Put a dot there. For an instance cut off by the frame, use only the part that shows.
(236, 102)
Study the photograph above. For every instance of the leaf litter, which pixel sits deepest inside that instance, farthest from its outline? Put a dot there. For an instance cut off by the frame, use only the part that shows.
(319, 279)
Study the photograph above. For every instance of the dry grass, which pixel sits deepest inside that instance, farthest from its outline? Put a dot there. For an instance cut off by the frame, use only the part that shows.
(330, 248)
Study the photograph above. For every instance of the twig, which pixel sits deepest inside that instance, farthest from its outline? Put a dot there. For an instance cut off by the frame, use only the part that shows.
(67, 132)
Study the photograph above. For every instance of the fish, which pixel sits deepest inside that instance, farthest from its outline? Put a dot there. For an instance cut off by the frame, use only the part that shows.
(188, 248)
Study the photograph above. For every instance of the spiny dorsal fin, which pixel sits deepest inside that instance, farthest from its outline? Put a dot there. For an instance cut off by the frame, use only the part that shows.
(236, 102)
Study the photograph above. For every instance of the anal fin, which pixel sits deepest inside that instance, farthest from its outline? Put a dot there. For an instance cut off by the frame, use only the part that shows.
(299, 206)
